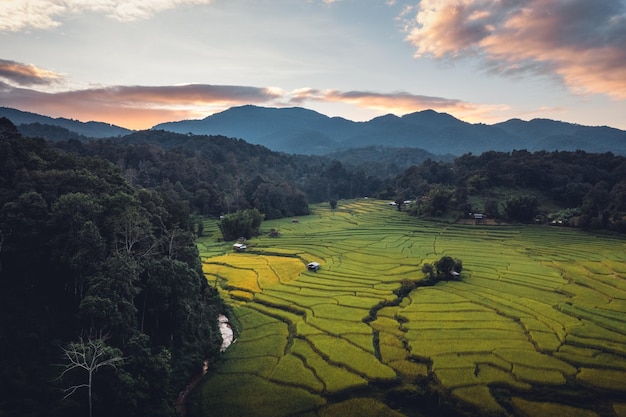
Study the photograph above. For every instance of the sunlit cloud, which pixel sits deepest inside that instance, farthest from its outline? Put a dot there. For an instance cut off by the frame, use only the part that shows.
(17, 15)
(140, 107)
(400, 103)
(579, 41)
(26, 75)
(135, 107)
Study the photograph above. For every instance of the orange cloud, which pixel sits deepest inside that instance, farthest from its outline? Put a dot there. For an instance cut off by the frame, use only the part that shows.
(141, 107)
(400, 103)
(580, 41)
(26, 75)
(135, 107)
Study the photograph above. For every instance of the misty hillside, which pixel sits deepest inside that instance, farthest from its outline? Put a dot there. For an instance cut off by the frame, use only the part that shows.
(297, 130)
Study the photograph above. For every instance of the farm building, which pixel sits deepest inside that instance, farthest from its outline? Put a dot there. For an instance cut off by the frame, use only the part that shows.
(239, 247)
(313, 266)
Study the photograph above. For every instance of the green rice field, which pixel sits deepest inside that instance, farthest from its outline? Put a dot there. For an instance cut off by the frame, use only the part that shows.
(535, 327)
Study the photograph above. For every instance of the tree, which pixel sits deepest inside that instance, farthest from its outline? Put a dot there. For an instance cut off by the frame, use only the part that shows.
(439, 200)
(429, 270)
(521, 208)
(333, 204)
(242, 223)
(491, 208)
(88, 355)
(446, 267)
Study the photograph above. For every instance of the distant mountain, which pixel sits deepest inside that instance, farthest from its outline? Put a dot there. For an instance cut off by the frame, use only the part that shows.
(50, 132)
(298, 130)
(89, 129)
(301, 131)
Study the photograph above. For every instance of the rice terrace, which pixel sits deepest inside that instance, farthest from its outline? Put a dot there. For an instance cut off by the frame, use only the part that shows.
(535, 326)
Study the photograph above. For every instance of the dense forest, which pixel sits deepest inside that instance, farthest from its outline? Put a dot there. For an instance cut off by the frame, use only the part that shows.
(99, 279)
(570, 188)
(98, 255)
(219, 175)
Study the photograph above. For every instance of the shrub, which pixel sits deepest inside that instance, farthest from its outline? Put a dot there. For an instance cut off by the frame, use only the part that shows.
(242, 223)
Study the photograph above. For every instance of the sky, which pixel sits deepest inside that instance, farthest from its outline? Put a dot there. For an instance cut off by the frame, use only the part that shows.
(137, 63)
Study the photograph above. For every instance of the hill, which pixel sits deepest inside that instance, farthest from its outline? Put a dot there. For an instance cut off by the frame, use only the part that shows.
(301, 131)
(89, 129)
(298, 130)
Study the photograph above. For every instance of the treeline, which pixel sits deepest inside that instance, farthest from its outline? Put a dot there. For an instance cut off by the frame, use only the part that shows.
(589, 189)
(88, 260)
(219, 175)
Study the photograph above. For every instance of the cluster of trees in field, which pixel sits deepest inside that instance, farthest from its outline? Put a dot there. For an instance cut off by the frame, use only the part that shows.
(92, 267)
(589, 190)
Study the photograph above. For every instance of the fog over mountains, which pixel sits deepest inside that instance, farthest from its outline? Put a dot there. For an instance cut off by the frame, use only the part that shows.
(302, 131)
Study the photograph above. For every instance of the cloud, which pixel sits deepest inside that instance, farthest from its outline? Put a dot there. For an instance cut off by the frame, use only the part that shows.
(579, 41)
(17, 15)
(135, 107)
(26, 75)
(140, 107)
(400, 103)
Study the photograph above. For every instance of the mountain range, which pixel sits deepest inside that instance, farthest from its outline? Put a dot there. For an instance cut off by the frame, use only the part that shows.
(302, 131)
(87, 129)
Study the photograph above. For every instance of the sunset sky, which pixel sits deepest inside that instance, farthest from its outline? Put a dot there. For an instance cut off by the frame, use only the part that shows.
(136, 63)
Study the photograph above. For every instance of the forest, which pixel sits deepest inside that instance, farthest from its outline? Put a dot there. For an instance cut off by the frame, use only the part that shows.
(218, 175)
(98, 253)
(93, 268)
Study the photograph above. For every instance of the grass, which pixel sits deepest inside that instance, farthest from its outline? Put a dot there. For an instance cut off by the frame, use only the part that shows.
(343, 353)
(607, 379)
(335, 378)
(548, 409)
(363, 407)
(290, 370)
(255, 397)
(536, 307)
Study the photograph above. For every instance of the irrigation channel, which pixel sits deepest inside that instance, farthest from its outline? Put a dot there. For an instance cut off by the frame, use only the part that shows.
(536, 326)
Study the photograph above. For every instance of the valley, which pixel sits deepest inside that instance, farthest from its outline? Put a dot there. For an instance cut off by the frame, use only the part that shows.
(533, 327)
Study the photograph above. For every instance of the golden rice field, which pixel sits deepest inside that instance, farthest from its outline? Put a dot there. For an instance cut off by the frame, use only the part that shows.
(535, 327)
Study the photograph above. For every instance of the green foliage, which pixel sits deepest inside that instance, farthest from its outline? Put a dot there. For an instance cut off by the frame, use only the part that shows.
(521, 208)
(242, 223)
(503, 183)
(83, 252)
(447, 268)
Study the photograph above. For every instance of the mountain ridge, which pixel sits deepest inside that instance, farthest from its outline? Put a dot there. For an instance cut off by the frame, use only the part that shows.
(91, 129)
(299, 130)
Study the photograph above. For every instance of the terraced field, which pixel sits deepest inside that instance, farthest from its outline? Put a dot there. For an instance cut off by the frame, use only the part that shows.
(535, 327)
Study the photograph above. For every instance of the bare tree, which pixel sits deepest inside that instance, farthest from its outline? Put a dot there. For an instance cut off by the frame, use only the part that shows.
(88, 355)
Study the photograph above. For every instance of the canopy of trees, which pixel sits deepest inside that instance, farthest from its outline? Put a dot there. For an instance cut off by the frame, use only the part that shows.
(82, 252)
(243, 223)
(591, 186)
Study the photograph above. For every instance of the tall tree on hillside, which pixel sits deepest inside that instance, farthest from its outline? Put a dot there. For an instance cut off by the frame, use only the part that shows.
(88, 355)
